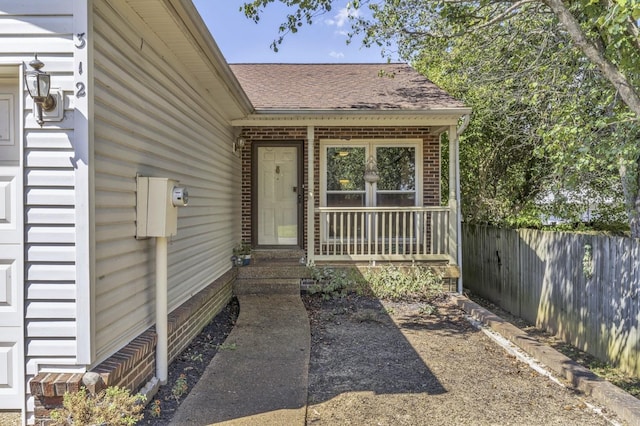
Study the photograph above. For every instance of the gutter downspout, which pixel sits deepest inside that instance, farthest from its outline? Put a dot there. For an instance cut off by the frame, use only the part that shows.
(463, 126)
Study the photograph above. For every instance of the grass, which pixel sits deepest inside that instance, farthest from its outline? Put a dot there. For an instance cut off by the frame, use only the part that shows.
(227, 347)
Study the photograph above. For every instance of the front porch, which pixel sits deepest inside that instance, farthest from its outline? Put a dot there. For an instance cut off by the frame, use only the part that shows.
(334, 214)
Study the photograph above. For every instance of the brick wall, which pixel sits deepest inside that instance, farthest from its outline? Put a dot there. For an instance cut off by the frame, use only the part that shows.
(430, 152)
(134, 365)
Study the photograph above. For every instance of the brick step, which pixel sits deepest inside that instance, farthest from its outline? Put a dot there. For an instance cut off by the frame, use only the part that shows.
(267, 286)
(267, 270)
(293, 255)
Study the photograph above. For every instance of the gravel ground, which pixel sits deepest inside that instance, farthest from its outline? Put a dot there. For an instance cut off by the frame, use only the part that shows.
(375, 363)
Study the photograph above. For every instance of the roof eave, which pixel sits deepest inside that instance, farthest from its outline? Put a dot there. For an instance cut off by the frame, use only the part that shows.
(379, 118)
(186, 11)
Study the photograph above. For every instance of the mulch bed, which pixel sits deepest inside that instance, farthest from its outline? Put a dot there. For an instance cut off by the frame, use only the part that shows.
(190, 364)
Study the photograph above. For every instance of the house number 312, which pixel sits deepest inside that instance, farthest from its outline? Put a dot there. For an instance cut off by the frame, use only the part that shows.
(81, 92)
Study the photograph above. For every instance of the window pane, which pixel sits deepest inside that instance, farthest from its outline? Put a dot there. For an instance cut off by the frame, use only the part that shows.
(345, 169)
(396, 200)
(345, 200)
(397, 168)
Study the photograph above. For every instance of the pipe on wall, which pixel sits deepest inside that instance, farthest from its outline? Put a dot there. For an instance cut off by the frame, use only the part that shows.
(162, 345)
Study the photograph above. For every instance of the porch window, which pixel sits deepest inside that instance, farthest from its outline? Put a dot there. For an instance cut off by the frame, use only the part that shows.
(345, 187)
(397, 171)
(381, 217)
(343, 175)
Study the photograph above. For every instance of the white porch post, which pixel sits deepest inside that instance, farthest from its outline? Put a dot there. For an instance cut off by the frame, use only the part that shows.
(454, 201)
(311, 236)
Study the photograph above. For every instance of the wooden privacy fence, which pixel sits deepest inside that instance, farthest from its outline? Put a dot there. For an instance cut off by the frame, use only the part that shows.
(582, 288)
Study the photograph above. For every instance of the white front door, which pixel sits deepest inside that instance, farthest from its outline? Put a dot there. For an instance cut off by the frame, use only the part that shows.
(277, 195)
(12, 392)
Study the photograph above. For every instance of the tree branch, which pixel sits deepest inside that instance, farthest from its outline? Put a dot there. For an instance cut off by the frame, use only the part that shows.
(504, 15)
(596, 55)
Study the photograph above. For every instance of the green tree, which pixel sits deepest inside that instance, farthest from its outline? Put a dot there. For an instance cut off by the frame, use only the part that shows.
(525, 96)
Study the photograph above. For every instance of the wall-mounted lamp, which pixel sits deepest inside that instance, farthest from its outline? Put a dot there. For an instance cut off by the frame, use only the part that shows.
(39, 86)
(238, 144)
(371, 171)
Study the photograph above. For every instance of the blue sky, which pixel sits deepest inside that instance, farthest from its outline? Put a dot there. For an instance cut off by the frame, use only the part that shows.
(242, 40)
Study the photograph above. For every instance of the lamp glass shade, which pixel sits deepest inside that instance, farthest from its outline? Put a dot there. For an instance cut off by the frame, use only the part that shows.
(38, 85)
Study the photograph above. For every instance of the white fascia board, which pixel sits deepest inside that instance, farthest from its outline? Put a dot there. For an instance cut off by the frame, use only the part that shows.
(435, 117)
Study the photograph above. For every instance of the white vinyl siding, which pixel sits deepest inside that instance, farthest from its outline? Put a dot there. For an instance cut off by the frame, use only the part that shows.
(46, 27)
(150, 120)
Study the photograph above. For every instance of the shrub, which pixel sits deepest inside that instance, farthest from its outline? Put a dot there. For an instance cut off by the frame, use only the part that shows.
(333, 282)
(113, 406)
(415, 282)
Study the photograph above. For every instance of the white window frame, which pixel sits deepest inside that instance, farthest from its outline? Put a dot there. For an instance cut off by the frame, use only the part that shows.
(370, 145)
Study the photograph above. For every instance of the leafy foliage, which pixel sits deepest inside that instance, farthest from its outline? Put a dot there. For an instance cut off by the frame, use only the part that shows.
(389, 282)
(404, 283)
(522, 155)
(334, 282)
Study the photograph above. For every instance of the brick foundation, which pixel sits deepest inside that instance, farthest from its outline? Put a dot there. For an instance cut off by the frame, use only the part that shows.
(134, 365)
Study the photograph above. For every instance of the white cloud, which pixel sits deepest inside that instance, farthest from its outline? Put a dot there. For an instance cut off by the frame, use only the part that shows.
(342, 18)
(336, 55)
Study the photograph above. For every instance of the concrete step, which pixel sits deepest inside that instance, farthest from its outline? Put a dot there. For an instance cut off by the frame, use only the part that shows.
(267, 286)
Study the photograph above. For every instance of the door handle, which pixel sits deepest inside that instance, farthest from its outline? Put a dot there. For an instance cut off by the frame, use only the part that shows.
(295, 189)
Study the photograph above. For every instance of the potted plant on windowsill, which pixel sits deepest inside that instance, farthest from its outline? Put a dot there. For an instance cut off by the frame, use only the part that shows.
(242, 254)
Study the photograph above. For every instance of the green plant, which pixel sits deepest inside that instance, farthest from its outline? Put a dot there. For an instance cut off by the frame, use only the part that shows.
(227, 347)
(397, 283)
(180, 387)
(333, 283)
(428, 309)
(587, 262)
(156, 409)
(113, 406)
(242, 249)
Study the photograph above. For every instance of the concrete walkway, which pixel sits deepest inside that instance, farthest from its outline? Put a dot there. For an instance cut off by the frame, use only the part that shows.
(260, 375)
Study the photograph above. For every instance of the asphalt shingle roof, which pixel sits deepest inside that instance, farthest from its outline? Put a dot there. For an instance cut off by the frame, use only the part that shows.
(340, 87)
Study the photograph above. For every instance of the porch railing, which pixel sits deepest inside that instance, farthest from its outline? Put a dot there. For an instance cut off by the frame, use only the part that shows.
(384, 233)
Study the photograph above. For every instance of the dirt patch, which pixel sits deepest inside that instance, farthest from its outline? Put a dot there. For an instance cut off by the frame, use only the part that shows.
(384, 363)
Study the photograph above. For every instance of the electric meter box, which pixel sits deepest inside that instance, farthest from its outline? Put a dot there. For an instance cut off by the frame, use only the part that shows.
(157, 206)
